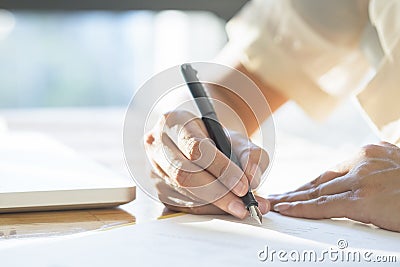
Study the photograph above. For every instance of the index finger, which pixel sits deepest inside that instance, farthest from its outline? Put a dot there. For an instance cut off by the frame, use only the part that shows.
(331, 206)
(189, 135)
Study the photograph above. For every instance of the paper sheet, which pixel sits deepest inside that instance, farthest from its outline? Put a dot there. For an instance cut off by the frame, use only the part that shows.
(191, 240)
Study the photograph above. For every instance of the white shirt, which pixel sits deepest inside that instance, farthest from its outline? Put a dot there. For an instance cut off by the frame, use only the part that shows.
(319, 52)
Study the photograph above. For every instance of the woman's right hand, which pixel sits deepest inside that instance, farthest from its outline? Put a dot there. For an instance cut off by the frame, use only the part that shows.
(194, 176)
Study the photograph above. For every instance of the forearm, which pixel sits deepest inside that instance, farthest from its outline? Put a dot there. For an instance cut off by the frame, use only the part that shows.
(251, 117)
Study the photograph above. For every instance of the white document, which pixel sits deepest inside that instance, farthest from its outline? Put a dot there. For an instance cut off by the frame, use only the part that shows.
(192, 241)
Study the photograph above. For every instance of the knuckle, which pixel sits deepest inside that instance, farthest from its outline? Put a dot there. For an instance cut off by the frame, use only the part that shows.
(369, 151)
(182, 177)
(194, 152)
(314, 192)
(387, 144)
(364, 191)
(299, 205)
(315, 182)
(359, 193)
(166, 115)
(362, 169)
(384, 143)
(368, 188)
(329, 174)
(282, 198)
(321, 200)
(164, 119)
(161, 124)
(221, 169)
(171, 118)
(256, 155)
(148, 140)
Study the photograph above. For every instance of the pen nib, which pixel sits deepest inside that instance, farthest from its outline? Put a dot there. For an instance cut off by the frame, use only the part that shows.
(255, 214)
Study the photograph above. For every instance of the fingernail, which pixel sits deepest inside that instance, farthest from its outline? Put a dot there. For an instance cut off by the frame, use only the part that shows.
(264, 206)
(237, 209)
(282, 206)
(241, 188)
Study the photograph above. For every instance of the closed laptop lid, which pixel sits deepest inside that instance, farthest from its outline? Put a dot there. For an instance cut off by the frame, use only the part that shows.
(39, 173)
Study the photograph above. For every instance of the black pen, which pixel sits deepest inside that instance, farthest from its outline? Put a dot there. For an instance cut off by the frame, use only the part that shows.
(216, 132)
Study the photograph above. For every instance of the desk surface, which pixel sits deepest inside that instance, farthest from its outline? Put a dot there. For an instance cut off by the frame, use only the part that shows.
(96, 133)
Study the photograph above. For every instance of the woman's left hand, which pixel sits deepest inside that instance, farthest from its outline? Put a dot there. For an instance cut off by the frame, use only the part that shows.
(365, 189)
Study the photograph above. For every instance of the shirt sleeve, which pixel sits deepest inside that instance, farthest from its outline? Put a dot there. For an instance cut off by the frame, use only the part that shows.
(316, 67)
(380, 98)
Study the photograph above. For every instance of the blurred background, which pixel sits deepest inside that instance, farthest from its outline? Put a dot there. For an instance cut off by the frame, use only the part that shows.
(95, 53)
(70, 68)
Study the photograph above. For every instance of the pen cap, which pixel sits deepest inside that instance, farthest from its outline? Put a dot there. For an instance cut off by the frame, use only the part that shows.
(198, 91)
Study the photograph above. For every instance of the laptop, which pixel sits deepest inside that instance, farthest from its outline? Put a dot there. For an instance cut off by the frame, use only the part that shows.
(38, 173)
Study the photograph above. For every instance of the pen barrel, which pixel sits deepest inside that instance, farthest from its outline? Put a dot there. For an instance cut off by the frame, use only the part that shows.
(249, 199)
(218, 135)
(214, 128)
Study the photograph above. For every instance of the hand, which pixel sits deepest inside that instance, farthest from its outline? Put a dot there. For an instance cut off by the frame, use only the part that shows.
(365, 189)
(194, 176)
